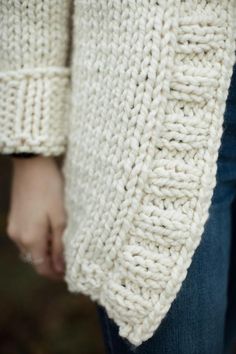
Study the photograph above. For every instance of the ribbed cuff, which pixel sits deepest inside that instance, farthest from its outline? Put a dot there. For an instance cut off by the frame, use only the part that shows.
(34, 108)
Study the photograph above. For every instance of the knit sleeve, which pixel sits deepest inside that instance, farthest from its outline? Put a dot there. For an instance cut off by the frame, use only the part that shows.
(35, 42)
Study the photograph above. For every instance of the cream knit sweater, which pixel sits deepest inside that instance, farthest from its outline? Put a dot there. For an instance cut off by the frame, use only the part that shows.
(135, 101)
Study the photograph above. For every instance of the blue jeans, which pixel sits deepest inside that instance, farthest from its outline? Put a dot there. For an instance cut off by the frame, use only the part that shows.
(202, 319)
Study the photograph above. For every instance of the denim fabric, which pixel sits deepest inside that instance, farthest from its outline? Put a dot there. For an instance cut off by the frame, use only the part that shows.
(202, 319)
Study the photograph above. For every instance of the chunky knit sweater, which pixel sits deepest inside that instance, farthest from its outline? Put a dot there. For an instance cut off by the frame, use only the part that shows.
(132, 93)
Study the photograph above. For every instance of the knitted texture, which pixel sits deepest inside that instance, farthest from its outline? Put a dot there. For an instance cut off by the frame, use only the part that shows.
(149, 82)
(34, 77)
(149, 86)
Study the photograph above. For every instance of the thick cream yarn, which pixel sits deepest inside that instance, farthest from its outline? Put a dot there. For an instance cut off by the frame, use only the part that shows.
(149, 86)
(34, 79)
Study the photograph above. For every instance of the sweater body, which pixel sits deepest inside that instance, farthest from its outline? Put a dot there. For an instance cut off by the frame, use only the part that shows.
(148, 89)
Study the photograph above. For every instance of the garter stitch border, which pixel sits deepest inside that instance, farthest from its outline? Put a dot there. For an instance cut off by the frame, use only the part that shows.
(136, 104)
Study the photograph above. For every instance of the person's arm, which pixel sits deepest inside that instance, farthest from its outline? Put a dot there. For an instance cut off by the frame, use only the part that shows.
(35, 42)
(35, 52)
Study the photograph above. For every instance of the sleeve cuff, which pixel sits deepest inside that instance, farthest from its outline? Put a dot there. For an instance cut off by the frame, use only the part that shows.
(34, 109)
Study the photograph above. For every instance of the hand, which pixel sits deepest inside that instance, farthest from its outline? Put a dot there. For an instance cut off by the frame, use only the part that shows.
(37, 217)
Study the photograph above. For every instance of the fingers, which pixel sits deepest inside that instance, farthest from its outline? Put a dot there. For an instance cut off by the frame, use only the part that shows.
(41, 251)
(37, 259)
(39, 248)
(57, 254)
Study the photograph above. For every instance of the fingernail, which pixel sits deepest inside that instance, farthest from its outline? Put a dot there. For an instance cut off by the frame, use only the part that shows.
(60, 266)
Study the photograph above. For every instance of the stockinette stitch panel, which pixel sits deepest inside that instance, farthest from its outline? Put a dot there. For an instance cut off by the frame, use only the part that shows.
(150, 81)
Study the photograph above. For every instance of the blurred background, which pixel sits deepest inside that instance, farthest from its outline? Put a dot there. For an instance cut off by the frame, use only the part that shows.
(39, 316)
